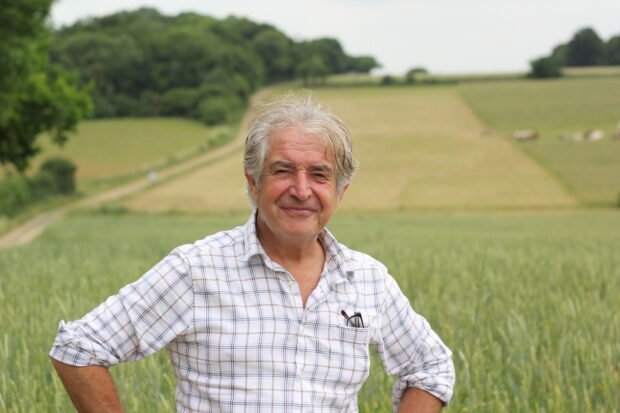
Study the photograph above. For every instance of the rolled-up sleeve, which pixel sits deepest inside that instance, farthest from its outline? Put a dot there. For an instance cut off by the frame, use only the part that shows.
(140, 320)
(411, 350)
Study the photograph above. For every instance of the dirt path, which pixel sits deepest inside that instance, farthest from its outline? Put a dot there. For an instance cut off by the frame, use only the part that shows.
(29, 230)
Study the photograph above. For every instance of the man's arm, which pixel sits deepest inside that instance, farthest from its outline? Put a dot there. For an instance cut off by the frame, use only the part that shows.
(140, 320)
(91, 388)
(419, 401)
(411, 350)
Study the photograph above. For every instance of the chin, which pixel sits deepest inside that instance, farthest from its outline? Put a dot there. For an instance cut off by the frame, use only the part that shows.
(302, 231)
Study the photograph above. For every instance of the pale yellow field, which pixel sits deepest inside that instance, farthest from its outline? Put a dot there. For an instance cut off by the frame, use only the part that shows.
(216, 187)
(418, 148)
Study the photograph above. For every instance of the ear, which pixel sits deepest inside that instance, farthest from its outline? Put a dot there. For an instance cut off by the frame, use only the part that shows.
(252, 187)
(341, 194)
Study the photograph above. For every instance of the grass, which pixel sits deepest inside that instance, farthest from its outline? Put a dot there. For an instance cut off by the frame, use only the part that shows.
(592, 71)
(591, 170)
(526, 302)
(418, 148)
(112, 150)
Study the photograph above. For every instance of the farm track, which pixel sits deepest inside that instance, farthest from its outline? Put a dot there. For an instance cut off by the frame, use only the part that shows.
(32, 228)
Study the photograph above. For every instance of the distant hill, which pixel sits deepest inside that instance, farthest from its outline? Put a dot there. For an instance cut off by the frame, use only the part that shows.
(143, 63)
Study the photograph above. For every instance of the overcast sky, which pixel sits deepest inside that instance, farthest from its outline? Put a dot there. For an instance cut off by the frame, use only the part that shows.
(445, 36)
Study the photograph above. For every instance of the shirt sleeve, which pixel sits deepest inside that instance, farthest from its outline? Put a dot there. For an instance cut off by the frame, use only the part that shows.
(140, 320)
(411, 350)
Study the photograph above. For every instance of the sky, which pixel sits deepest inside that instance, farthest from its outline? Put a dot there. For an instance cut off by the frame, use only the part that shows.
(444, 36)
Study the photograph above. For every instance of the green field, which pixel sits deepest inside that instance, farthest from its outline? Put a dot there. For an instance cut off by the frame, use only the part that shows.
(113, 149)
(528, 303)
(590, 170)
(485, 236)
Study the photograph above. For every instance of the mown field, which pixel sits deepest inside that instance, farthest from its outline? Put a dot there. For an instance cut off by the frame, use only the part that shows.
(590, 170)
(418, 149)
(527, 302)
(114, 149)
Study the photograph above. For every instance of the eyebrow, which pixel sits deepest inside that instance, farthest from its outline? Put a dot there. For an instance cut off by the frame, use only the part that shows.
(291, 165)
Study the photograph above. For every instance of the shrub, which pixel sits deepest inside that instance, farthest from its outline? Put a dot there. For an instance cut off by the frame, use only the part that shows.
(218, 109)
(387, 80)
(56, 176)
(42, 185)
(178, 102)
(14, 195)
(63, 172)
(545, 67)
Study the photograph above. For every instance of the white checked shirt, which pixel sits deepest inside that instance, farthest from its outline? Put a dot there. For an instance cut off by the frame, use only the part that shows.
(239, 339)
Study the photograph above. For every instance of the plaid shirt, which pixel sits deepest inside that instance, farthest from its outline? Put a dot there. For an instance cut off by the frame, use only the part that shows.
(239, 339)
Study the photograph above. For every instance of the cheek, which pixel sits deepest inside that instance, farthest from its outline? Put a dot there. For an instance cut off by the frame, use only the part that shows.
(273, 189)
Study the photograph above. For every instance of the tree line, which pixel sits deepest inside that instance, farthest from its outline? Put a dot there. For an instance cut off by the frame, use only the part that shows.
(143, 63)
(586, 48)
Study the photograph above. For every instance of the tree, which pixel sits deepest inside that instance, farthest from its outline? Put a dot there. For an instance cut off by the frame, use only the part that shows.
(413, 73)
(559, 54)
(545, 67)
(275, 50)
(585, 49)
(363, 64)
(142, 63)
(312, 71)
(33, 98)
(328, 50)
(22, 35)
(613, 51)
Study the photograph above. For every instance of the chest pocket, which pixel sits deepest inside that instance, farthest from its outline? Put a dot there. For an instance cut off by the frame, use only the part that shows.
(343, 361)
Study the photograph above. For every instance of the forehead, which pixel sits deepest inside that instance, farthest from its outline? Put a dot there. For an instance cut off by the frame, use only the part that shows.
(294, 143)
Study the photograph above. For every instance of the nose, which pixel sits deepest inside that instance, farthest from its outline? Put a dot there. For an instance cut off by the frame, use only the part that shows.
(300, 188)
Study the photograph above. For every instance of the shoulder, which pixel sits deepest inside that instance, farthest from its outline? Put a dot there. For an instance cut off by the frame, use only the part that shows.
(360, 261)
(224, 243)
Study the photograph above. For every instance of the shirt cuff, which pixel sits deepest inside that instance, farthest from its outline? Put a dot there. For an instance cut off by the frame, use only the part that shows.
(77, 350)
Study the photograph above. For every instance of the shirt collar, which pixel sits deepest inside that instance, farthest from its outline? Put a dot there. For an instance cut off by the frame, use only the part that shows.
(252, 244)
(336, 258)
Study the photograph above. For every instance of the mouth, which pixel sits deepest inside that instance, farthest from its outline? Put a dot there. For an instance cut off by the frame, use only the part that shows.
(298, 210)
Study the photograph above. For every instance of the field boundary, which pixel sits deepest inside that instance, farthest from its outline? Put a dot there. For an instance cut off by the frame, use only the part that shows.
(35, 226)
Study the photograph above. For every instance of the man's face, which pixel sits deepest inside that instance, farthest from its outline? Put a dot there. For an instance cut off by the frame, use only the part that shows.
(298, 186)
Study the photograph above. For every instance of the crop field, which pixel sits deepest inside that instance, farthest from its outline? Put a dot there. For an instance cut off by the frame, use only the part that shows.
(590, 170)
(418, 148)
(112, 148)
(527, 302)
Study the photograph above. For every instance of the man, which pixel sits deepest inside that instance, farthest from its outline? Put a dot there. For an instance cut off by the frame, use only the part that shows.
(274, 315)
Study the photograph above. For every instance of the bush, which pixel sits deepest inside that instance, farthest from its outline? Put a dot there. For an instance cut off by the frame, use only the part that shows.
(14, 195)
(387, 80)
(42, 185)
(56, 176)
(179, 102)
(218, 109)
(545, 67)
(63, 172)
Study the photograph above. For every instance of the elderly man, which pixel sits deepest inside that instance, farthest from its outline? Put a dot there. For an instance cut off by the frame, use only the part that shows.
(274, 315)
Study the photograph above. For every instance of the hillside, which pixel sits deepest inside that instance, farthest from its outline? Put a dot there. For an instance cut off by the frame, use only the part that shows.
(419, 148)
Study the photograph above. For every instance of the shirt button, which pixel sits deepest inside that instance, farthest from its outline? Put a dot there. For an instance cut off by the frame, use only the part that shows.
(291, 283)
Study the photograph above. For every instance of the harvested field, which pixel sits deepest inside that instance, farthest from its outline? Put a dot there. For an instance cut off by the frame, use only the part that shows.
(419, 148)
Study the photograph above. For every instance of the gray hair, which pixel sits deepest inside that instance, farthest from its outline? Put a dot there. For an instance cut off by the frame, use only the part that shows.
(313, 118)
